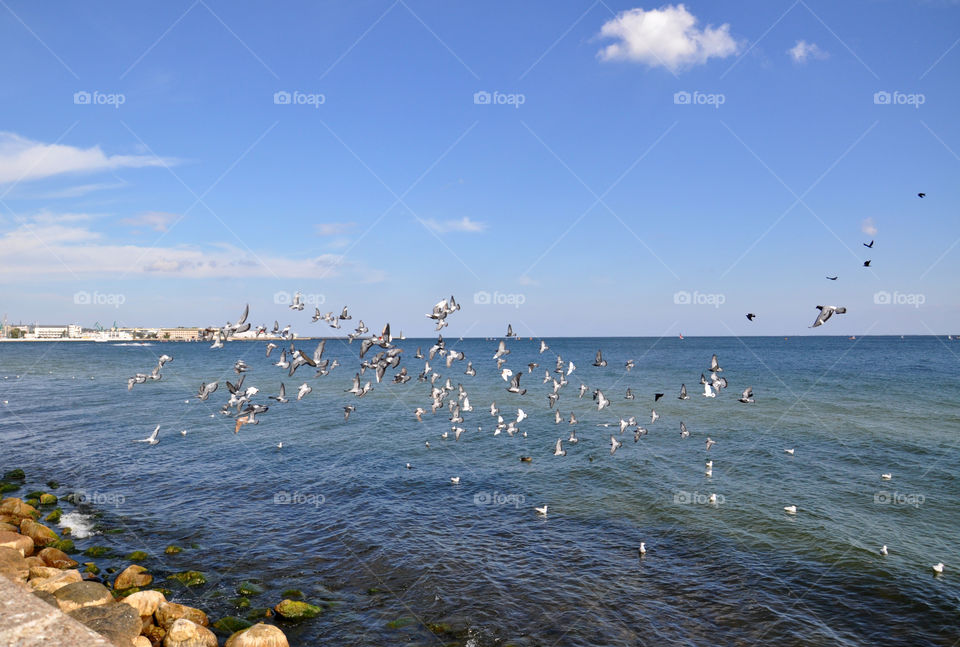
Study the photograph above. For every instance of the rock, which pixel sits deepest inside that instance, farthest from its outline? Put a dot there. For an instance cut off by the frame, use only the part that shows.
(137, 556)
(13, 564)
(48, 499)
(249, 589)
(82, 594)
(18, 508)
(39, 533)
(155, 634)
(14, 475)
(142, 641)
(132, 576)
(168, 612)
(8, 487)
(91, 567)
(231, 625)
(259, 635)
(8, 527)
(54, 517)
(96, 551)
(51, 584)
(172, 550)
(183, 633)
(49, 598)
(402, 621)
(43, 571)
(240, 603)
(66, 545)
(145, 602)
(259, 612)
(56, 558)
(35, 561)
(189, 578)
(295, 610)
(118, 623)
(53, 485)
(292, 593)
(20, 543)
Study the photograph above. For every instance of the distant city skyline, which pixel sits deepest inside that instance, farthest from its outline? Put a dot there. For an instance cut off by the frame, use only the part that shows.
(617, 168)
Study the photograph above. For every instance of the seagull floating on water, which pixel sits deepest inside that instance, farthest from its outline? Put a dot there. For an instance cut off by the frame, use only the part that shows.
(152, 438)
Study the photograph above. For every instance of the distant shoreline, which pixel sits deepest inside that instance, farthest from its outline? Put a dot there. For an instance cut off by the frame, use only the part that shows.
(956, 337)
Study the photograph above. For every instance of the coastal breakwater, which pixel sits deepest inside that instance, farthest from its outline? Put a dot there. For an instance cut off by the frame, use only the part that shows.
(124, 606)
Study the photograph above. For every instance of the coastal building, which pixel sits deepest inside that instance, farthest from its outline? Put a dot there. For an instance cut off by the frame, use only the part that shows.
(69, 331)
(179, 334)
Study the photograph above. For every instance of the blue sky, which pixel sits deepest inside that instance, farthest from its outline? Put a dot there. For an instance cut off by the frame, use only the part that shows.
(591, 208)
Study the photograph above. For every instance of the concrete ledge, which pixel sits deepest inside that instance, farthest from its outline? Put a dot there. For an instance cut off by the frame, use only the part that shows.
(28, 621)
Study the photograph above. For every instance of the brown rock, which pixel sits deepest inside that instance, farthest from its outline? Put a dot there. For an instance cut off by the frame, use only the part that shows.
(9, 527)
(39, 533)
(13, 564)
(33, 560)
(168, 612)
(259, 635)
(142, 641)
(119, 623)
(82, 594)
(51, 584)
(56, 558)
(17, 541)
(155, 634)
(183, 633)
(18, 508)
(38, 572)
(131, 576)
(145, 602)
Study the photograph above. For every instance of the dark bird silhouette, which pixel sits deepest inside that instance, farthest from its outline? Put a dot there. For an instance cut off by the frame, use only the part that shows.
(750, 316)
(657, 396)
(870, 244)
(866, 263)
(833, 278)
(921, 195)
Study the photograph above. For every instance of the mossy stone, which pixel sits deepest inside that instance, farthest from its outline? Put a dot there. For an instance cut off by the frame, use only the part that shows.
(258, 613)
(36, 494)
(296, 610)
(14, 475)
(33, 502)
(138, 556)
(66, 531)
(96, 551)
(53, 485)
(90, 567)
(190, 578)
(248, 589)
(48, 499)
(402, 621)
(231, 625)
(8, 487)
(172, 550)
(241, 603)
(54, 517)
(292, 593)
(66, 545)
(113, 531)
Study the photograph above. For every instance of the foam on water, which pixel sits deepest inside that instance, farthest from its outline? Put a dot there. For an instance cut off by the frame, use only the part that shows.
(80, 525)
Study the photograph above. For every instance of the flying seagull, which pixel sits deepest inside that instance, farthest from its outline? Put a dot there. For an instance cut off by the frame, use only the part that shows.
(152, 438)
(747, 396)
(869, 245)
(866, 263)
(921, 195)
(825, 313)
(833, 278)
(751, 316)
(683, 393)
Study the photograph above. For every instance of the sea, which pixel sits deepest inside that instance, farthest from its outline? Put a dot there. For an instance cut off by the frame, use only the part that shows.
(398, 554)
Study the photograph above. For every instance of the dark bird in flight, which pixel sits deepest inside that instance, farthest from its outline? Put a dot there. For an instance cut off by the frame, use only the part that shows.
(921, 195)
(657, 396)
(833, 278)
(750, 316)
(866, 263)
(868, 245)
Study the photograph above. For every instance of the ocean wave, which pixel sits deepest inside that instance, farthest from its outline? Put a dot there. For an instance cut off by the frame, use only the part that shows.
(80, 525)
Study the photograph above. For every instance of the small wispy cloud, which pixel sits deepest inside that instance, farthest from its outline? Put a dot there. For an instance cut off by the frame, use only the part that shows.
(77, 191)
(803, 51)
(155, 220)
(23, 159)
(868, 227)
(523, 279)
(464, 225)
(334, 228)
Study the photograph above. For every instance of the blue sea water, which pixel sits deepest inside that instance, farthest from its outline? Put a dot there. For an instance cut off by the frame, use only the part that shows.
(398, 555)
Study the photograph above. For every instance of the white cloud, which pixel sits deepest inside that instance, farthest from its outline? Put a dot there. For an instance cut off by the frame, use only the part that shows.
(464, 225)
(868, 227)
(666, 37)
(526, 280)
(76, 191)
(48, 247)
(334, 228)
(23, 159)
(804, 50)
(156, 220)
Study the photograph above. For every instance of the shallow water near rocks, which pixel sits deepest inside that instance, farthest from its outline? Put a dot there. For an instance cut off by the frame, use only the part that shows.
(398, 555)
